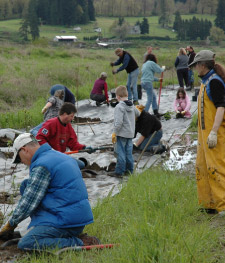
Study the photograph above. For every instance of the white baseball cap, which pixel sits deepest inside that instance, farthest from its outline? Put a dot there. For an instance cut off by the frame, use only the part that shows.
(19, 142)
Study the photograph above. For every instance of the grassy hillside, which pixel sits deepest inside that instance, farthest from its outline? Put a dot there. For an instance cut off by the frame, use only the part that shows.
(29, 70)
(9, 29)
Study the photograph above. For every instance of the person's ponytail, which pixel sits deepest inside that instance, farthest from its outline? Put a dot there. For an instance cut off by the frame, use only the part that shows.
(220, 70)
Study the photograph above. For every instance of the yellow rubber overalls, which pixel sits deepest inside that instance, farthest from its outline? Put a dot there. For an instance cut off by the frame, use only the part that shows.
(210, 163)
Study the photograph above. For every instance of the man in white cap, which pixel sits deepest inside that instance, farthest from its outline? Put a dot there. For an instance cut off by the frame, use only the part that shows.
(54, 196)
(97, 91)
(210, 162)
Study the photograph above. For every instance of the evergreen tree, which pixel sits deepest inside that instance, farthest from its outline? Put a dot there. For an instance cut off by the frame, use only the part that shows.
(68, 13)
(177, 21)
(54, 13)
(91, 10)
(144, 26)
(33, 19)
(138, 23)
(24, 29)
(220, 17)
(121, 21)
(84, 18)
(43, 8)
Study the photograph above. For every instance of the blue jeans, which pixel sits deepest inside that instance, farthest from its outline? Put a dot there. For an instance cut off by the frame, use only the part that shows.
(35, 130)
(132, 83)
(190, 76)
(155, 141)
(123, 149)
(48, 236)
(151, 97)
(42, 237)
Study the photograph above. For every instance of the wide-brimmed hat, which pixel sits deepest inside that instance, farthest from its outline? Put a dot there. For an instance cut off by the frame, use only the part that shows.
(118, 51)
(19, 142)
(203, 55)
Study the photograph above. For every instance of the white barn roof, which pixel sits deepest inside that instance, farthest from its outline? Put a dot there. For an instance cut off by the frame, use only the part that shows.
(57, 38)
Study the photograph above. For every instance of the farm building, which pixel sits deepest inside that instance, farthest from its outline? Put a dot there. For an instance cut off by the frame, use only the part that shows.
(65, 38)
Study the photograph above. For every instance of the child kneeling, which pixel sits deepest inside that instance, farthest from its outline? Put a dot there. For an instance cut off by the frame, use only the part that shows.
(182, 104)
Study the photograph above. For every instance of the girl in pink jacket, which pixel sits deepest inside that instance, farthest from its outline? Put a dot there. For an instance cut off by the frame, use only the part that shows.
(182, 104)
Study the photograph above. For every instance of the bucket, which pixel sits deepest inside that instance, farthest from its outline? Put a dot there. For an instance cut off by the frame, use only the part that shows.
(139, 90)
(113, 93)
(194, 98)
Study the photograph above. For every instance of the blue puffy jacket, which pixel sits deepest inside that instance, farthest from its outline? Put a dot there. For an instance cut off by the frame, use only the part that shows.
(66, 202)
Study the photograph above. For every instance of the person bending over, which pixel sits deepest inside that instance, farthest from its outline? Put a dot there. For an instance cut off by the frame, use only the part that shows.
(54, 197)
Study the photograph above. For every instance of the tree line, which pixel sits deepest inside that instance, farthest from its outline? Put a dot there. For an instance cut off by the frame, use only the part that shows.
(191, 29)
(153, 7)
(52, 12)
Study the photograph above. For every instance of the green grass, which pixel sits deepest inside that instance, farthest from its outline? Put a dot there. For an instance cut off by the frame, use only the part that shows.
(154, 218)
(28, 71)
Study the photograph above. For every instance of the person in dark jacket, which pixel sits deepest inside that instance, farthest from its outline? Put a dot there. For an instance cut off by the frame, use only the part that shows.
(146, 125)
(97, 91)
(68, 95)
(54, 196)
(191, 55)
(131, 67)
(181, 65)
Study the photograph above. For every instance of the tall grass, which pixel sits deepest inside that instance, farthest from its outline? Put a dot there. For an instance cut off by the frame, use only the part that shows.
(154, 218)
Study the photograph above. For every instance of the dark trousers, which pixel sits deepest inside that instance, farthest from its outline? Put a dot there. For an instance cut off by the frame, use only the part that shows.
(182, 75)
(98, 97)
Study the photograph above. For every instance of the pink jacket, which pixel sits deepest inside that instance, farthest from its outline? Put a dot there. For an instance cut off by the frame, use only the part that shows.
(183, 105)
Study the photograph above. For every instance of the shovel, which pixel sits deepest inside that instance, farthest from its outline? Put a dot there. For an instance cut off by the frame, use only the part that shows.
(94, 149)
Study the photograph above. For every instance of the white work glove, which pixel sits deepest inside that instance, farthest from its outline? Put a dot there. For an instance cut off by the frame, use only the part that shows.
(163, 67)
(43, 110)
(212, 139)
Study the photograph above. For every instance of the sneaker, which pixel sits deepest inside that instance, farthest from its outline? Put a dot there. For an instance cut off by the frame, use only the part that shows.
(114, 174)
(188, 88)
(158, 149)
(128, 173)
(89, 240)
(135, 102)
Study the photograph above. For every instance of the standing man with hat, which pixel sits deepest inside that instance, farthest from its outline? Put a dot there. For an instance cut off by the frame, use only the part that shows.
(54, 196)
(210, 162)
(131, 67)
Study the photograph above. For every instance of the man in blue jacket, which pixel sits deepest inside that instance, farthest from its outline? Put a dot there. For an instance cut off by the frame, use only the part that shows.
(54, 196)
(131, 67)
(68, 95)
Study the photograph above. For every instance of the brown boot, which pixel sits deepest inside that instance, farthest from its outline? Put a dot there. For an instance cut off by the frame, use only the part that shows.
(89, 240)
